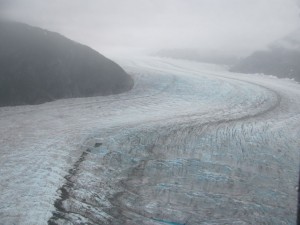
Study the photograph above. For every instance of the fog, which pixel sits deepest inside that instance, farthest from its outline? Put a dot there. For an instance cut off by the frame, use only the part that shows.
(232, 26)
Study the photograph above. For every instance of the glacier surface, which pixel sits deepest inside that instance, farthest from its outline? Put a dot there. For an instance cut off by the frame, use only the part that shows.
(190, 144)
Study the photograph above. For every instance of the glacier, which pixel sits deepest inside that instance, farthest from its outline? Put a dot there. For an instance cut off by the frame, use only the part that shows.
(190, 144)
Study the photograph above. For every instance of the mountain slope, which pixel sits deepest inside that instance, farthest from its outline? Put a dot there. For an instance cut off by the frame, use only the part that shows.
(281, 59)
(37, 66)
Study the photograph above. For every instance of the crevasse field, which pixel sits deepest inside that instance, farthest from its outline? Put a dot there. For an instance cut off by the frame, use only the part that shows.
(190, 144)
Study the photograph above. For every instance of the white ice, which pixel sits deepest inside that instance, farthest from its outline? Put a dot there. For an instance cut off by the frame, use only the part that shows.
(216, 147)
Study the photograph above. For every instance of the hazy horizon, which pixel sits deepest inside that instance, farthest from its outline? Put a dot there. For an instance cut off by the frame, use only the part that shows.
(234, 27)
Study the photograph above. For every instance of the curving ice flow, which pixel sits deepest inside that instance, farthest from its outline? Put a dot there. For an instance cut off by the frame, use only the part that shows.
(190, 144)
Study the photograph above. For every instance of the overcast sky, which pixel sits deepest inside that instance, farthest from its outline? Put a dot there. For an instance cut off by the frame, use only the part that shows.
(235, 26)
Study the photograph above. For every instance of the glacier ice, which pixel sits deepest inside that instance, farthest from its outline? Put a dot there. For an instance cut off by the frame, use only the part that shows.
(190, 144)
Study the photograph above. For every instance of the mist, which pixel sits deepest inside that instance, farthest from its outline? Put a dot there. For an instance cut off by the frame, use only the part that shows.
(237, 27)
(175, 112)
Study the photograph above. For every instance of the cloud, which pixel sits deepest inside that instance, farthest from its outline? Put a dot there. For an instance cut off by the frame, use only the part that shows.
(4, 4)
(231, 25)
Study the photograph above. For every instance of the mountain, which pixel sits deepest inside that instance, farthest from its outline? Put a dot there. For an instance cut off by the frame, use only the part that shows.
(281, 59)
(38, 66)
